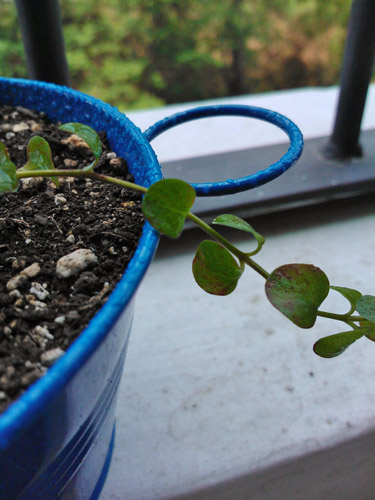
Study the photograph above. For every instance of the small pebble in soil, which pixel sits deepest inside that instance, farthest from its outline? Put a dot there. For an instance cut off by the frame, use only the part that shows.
(31, 271)
(47, 358)
(74, 141)
(115, 162)
(35, 127)
(7, 331)
(34, 302)
(18, 263)
(15, 294)
(16, 282)
(20, 127)
(74, 262)
(60, 199)
(40, 335)
(38, 290)
(70, 163)
(32, 183)
(19, 302)
(111, 155)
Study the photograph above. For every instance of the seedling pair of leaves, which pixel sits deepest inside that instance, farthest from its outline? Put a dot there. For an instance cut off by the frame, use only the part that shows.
(39, 158)
(296, 290)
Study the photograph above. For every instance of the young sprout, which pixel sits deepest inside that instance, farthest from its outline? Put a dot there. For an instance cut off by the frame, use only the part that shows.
(296, 290)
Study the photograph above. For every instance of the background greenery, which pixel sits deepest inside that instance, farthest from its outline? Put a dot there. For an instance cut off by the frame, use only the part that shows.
(143, 53)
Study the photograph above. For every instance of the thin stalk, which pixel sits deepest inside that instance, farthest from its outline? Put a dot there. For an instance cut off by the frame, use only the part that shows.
(340, 317)
(353, 325)
(243, 257)
(80, 174)
(50, 173)
(118, 182)
(260, 270)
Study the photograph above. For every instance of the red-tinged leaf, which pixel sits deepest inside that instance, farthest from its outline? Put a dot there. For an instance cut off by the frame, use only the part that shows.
(297, 290)
(215, 269)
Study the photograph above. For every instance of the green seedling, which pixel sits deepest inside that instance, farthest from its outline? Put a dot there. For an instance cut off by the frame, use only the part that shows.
(296, 290)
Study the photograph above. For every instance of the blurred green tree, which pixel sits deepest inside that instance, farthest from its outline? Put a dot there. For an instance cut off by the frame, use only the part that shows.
(144, 53)
(12, 59)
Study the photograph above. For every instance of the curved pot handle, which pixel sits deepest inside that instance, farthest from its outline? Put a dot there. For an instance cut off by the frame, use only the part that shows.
(231, 186)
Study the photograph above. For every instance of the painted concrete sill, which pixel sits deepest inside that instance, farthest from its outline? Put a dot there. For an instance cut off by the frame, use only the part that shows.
(222, 398)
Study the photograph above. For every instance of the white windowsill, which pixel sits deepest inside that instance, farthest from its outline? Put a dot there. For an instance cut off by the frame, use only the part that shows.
(223, 398)
(312, 109)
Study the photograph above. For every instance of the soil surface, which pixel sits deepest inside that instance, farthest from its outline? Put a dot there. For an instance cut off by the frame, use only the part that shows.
(46, 301)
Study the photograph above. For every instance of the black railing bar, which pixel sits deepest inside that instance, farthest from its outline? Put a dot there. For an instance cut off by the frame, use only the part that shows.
(354, 81)
(42, 34)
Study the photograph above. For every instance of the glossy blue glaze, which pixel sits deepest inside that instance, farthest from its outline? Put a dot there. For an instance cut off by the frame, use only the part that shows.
(55, 439)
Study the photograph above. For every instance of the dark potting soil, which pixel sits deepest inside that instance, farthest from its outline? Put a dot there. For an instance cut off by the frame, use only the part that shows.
(46, 302)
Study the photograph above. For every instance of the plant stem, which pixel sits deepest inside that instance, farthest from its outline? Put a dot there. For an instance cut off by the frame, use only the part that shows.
(340, 317)
(50, 173)
(353, 325)
(260, 270)
(81, 174)
(113, 180)
(243, 257)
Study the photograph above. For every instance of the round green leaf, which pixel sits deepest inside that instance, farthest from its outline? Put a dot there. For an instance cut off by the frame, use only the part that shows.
(334, 345)
(8, 177)
(350, 294)
(215, 269)
(366, 307)
(238, 223)
(166, 205)
(89, 135)
(297, 290)
(39, 157)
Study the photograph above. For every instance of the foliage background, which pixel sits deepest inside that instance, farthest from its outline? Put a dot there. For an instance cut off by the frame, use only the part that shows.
(143, 53)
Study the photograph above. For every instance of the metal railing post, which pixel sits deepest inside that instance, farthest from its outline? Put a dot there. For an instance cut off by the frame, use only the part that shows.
(43, 41)
(354, 81)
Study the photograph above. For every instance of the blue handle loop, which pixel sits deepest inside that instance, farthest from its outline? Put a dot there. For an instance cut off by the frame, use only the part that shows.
(231, 186)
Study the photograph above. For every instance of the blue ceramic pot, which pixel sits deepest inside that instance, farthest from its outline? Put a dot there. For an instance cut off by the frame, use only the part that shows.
(56, 440)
